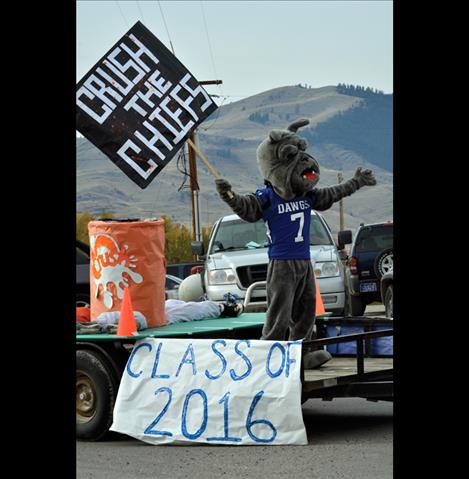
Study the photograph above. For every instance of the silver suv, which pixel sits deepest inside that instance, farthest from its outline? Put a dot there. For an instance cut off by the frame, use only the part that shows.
(237, 257)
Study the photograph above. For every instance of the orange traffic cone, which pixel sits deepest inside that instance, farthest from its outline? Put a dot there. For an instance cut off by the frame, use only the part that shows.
(127, 324)
(319, 304)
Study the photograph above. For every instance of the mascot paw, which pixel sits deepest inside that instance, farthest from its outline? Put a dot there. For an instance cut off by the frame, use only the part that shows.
(223, 188)
(365, 177)
(315, 359)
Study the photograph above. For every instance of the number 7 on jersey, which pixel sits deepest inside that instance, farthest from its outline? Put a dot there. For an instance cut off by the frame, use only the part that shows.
(301, 217)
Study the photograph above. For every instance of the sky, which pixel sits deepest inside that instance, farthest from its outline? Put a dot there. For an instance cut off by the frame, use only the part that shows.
(253, 46)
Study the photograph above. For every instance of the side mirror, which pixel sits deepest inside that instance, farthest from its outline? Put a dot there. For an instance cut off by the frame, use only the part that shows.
(344, 237)
(197, 248)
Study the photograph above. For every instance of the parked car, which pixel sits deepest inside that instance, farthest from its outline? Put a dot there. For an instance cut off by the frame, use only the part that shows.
(82, 274)
(387, 292)
(182, 270)
(371, 256)
(172, 286)
(83, 277)
(237, 257)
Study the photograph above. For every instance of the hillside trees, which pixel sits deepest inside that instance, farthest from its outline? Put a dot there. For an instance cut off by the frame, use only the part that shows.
(178, 239)
(259, 117)
(358, 90)
(82, 221)
(366, 128)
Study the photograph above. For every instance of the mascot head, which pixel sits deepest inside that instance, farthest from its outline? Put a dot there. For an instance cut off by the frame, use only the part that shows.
(284, 163)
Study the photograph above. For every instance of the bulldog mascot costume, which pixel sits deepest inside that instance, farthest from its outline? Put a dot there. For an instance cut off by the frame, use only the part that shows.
(285, 204)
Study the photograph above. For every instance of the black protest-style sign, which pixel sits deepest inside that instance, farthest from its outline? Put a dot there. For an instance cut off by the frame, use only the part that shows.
(139, 103)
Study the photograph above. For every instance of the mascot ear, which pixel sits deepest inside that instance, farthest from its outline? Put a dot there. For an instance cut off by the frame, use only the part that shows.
(287, 150)
(298, 124)
(277, 135)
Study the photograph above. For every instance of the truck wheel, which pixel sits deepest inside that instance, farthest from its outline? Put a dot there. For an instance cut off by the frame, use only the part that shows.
(388, 302)
(95, 395)
(356, 306)
(384, 262)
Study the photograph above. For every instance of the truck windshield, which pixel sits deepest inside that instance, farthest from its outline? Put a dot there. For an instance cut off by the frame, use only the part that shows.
(239, 234)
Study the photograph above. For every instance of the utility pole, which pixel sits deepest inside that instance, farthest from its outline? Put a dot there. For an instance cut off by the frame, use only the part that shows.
(341, 205)
(194, 185)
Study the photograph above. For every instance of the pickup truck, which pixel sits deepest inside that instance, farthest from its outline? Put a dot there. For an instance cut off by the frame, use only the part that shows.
(237, 257)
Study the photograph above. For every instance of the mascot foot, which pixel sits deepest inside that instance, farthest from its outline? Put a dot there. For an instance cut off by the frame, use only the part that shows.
(315, 359)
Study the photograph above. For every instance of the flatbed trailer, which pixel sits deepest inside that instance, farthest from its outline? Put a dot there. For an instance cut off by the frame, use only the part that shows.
(101, 359)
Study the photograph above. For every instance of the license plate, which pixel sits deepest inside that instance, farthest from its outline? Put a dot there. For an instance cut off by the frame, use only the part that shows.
(368, 287)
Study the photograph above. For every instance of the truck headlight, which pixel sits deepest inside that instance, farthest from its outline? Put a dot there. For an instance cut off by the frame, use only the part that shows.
(327, 269)
(221, 276)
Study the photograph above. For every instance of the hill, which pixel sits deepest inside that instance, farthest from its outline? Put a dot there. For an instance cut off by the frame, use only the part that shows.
(347, 130)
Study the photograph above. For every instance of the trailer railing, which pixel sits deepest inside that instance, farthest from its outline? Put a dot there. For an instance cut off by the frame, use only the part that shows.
(359, 339)
(376, 383)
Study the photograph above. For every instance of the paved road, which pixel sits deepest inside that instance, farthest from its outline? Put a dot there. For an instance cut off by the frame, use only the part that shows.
(347, 438)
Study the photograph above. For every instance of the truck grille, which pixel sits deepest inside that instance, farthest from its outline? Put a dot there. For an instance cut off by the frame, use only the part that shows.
(250, 274)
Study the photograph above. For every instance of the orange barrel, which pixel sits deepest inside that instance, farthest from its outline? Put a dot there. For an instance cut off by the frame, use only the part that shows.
(128, 253)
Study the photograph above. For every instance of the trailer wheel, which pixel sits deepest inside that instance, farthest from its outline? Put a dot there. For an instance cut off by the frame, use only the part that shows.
(96, 390)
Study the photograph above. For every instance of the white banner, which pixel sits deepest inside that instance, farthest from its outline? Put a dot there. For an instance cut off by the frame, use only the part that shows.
(212, 391)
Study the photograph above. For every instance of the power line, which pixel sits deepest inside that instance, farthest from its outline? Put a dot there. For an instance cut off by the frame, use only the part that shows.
(166, 26)
(216, 118)
(122, 13)
(209, 43)
(182, 167)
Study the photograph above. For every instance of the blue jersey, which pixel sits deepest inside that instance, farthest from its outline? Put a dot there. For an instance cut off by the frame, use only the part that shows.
(287, 223)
